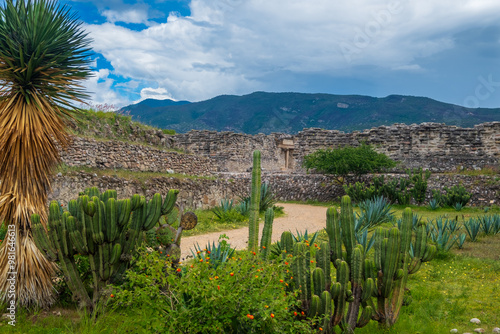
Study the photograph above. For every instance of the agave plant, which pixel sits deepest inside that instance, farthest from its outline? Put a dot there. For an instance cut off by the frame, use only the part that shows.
(373, 213)
(44, 54)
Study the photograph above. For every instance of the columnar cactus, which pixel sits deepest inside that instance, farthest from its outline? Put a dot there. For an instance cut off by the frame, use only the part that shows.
(358, 279)
(101, 227)
(394, 262)
(253, 224)
(265, 242)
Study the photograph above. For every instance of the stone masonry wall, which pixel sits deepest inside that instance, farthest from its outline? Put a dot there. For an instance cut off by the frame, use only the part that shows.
(433, 146)
(117, 154)
(206, 193)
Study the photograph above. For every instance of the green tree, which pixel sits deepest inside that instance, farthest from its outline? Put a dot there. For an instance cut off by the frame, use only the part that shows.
(44, 54)
(341, 162)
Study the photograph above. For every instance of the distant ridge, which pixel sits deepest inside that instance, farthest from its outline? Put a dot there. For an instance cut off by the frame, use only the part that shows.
(262, 112)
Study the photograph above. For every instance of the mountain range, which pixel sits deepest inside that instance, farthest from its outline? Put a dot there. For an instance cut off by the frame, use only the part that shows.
(262, 112)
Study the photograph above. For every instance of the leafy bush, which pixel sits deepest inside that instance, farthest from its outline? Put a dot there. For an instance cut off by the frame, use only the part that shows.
(373, 213)
(419, 180)
(452, 196)
(396, 190)
(348, 160)
(243, 296)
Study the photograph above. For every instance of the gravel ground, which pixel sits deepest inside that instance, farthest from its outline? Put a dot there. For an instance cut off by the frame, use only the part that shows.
(298, 217)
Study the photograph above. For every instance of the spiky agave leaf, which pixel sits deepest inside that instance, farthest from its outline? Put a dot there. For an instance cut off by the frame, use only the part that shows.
(43, 56)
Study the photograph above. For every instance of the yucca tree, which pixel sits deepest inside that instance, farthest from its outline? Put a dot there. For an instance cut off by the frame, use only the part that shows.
(44, 54)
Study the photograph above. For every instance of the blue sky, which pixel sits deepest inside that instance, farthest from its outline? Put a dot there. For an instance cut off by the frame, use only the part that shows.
(448, 50)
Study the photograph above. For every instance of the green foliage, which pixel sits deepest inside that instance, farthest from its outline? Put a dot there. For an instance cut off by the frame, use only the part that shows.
(433, 204)
(103, 229)
(305, 237)
(374, 212)
(360, 279)
(452, 196)
(473, 227)
(348, 160)
(214, 255)
(398, 190)
(490, 224)
(227, 212)
(267, 200)
(419, 181)
(3, 231)
(243, 296)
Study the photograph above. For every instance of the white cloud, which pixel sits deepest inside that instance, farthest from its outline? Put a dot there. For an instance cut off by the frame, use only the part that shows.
(99, 88)
(229, 46)
(132, 15)
(154, 93)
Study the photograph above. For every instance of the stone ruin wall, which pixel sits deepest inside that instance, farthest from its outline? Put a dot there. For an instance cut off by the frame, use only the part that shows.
(113, 154)
(429, 145)
(227, 157)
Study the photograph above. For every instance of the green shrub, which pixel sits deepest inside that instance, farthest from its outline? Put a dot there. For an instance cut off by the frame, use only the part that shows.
(348, 160)
(243, 296)
(419, 180)
(452, 196)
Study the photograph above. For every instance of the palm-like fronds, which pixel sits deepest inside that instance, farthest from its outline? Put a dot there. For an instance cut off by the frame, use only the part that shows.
(43, 56)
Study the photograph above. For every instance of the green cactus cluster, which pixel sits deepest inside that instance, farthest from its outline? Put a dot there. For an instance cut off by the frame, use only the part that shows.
(99, 226)
(364, 288)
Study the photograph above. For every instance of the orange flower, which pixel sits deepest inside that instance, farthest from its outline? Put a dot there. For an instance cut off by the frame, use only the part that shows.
(192, 266)
(249, 316)
(256, 276)
(161, 252)
(264, 247)
(281, 281)
(218, 287)
(232, 274)
(286, 263)
(272, 315)
(253, 253)
(302, 312)
(178, 270)
(112, 295)
(201, 260)
(208, 252)
(320, 329)
(295, 313)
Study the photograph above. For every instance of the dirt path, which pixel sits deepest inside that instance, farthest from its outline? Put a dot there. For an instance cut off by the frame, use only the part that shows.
(298, 217)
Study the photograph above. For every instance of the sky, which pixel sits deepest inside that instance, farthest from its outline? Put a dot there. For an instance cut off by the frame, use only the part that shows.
(448, 50)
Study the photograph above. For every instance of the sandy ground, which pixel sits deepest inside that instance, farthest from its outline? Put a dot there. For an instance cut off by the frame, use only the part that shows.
(298, 217)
